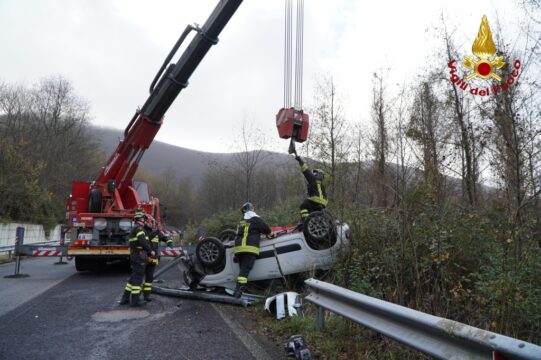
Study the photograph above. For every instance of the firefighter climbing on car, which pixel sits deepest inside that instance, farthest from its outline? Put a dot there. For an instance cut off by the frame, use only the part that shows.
(315, 187)
(249, 231)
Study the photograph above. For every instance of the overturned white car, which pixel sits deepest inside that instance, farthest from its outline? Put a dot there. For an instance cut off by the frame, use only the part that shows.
(292, 251)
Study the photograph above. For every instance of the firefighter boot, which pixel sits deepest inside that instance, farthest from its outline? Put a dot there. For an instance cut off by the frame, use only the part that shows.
(239, 290)
(146, 296)
(125, 298)
(134, 300)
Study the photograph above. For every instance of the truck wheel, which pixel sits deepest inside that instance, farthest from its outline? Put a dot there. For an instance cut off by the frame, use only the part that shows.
(81, 264)
(86, 264)
(319, 230)
(94, 201)
(210, 252)
(95, 265)
(227, 235)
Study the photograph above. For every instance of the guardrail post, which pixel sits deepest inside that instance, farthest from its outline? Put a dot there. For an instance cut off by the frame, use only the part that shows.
(62, 241)
(320, 319)
(19, 240)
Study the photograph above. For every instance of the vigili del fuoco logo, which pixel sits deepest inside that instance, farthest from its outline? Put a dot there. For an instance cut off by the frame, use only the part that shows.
(484, 65)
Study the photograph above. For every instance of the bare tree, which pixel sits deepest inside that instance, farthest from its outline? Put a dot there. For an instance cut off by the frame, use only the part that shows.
(329, 131)
(380, 141)
(249, 155)
(425, 129)
(467, 138)
(47, 125)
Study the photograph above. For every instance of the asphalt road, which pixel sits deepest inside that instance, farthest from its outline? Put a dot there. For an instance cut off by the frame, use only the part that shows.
(57, 313)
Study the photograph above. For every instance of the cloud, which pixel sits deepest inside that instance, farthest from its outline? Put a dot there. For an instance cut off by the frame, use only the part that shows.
(112, 50)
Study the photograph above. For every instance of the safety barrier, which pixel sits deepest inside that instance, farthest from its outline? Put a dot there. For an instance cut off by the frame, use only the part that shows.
(63, 249)
(438, 337)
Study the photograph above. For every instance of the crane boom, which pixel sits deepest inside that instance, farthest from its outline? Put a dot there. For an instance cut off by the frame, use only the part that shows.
(146, 122)
(99, 213)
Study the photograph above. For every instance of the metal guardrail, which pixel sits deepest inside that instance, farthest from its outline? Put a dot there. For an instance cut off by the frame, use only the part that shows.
(7, 248)
(438, 337)
(12, 247)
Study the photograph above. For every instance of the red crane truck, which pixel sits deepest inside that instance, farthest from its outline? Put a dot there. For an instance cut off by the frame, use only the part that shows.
(99, 214)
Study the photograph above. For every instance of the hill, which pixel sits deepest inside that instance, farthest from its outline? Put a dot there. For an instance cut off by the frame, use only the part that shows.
(184, 162)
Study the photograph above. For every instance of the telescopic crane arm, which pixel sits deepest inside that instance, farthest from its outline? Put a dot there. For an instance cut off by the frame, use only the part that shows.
(115, 179)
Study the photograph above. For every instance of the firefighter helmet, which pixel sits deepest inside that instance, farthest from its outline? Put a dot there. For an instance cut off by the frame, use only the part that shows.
(319, 174)
(247, 207)
(140, 217)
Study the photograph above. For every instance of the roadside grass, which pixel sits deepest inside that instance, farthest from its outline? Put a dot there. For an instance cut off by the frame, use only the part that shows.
(4, 258)
(340, 339)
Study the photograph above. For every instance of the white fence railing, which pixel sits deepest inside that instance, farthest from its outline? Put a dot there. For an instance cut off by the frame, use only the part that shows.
(32, 234)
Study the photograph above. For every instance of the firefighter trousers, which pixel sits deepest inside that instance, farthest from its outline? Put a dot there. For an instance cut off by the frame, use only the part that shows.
(149, 278)
(308, 206)
(246, 263)
(138, 262)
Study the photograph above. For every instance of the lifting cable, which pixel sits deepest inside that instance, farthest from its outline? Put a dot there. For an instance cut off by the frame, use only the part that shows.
(288, 64)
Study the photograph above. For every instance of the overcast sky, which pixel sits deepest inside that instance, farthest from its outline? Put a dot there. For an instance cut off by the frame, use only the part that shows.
(111, 50)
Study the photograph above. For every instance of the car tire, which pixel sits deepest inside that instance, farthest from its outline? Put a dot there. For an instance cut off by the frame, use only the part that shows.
(210, 252)
(319, 230)
(227, 235)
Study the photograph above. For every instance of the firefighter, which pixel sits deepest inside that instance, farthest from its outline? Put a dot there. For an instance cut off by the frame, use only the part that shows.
(317, 197)
(155, 237)
(246, 248)
(139, 251)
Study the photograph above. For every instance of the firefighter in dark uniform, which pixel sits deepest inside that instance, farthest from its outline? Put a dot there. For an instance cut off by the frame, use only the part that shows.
(317, 197)
(139, 251)
(249, 231)
(155, 237)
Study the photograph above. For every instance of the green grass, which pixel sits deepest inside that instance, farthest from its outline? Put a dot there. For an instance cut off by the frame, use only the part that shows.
(340, 339)
(4, 258)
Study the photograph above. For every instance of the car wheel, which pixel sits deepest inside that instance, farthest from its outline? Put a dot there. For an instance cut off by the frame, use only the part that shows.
(319, 230)
(227, 235)
(210, 252)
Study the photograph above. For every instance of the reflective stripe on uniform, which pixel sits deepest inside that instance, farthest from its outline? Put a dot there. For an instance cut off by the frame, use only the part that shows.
(135, 290)
(147, 286)
(246, 249)
(128, 287)
(245, 235)
(242, 280)
(319, 199)
(243, 247)
(304, 167)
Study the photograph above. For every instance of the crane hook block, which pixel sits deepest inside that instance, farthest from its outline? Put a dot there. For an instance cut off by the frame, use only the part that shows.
(292, 123)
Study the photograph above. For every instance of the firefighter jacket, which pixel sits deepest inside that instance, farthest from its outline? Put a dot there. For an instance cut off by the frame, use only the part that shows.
(155, 237)
(249, 232)
(138, 240)
(315, 187)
